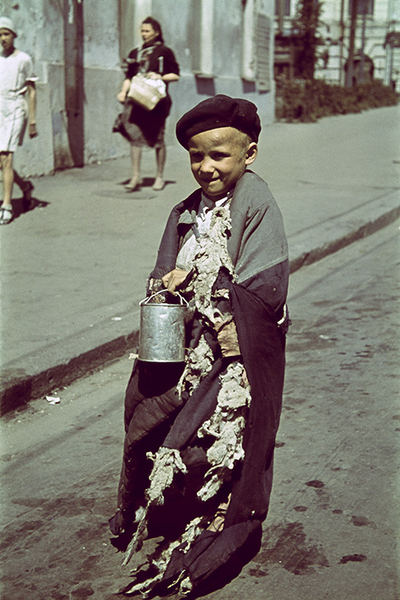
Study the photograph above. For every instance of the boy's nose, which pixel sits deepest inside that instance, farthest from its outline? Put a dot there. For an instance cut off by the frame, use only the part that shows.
(206, 165)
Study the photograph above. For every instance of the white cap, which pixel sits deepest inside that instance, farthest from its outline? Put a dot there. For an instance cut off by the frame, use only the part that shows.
(6, 23)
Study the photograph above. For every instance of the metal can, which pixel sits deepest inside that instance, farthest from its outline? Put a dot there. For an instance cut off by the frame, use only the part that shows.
(162, 330)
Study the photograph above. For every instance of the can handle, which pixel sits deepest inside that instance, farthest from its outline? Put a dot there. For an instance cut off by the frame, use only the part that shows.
(181, 298)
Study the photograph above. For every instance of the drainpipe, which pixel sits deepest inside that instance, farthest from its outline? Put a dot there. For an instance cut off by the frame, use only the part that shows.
(364, 22)
(341, 77)
(74, 79)
(350, 59)
(281, 7)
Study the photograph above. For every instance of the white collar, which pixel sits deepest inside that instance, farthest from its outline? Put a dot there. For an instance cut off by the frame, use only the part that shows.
(208, 203)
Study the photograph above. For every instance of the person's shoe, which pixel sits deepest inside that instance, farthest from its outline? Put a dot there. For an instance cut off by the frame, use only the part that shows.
(27, 189)
(159, 184)
(6, 215)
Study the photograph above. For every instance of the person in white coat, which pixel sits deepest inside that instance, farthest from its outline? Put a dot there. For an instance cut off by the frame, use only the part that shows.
(17, 110)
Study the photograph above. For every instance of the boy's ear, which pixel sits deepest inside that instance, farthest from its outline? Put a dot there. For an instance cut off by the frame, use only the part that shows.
(251, 153)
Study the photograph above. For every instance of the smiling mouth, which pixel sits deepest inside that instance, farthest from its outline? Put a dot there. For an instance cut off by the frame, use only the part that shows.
(209, 181)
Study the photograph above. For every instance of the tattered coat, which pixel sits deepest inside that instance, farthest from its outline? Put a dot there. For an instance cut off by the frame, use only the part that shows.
(178, 420)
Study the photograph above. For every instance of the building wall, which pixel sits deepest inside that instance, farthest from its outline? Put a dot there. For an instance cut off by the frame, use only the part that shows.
(215, 42)
(385, 17)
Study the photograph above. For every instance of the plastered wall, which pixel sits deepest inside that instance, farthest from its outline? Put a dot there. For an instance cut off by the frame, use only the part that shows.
(110, 28)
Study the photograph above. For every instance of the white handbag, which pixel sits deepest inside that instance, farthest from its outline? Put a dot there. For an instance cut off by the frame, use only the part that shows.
(147, 92)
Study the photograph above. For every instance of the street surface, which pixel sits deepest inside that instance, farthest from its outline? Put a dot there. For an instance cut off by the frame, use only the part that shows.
(74, 268)
(333, 518)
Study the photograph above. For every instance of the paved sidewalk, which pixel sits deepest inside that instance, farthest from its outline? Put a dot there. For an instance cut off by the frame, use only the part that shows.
(74, 268)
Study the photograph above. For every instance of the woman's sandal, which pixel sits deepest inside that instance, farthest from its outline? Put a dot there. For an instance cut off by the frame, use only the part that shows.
(159, 184)
(6, 216)
(132, 188)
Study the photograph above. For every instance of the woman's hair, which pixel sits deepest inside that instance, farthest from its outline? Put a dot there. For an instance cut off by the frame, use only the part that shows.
(156, 26)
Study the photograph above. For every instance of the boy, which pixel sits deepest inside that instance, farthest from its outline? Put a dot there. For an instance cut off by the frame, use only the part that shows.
(16, 81)
(211, 422)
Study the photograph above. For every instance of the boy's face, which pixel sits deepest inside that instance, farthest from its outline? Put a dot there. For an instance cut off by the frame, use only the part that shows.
(218, 157)
(6, 39)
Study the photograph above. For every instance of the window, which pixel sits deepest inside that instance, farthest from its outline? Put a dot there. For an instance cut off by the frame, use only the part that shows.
(256, 47)
(363, 5)
(248, 70)
(263, 45)
(285, 7)
(202, 38)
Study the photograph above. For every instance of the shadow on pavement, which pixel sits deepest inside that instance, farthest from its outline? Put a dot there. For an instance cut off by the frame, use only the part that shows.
(148, 182)
(22, 205)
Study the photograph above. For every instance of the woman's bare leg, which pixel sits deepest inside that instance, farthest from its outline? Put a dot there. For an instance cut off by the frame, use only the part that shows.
(161, 156)
(136, 156)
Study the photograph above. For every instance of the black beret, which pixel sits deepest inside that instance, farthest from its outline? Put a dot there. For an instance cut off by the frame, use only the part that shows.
(219, 111)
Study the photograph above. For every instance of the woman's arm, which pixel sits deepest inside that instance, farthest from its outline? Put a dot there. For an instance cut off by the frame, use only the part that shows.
(167, 78)
(121, 96)
(164, 67)
(130, 69)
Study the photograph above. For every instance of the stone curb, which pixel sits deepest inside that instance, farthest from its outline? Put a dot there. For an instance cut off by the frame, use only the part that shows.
(306, 248)
(314, 243)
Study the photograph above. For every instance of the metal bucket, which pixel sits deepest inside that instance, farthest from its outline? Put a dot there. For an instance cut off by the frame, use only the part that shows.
(162, 330)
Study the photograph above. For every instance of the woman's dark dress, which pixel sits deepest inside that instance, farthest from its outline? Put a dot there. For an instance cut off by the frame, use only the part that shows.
(144, 127)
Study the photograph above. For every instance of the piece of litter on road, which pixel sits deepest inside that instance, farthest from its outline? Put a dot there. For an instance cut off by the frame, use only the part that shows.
(132, 356)
(53, 399)
(116, 318)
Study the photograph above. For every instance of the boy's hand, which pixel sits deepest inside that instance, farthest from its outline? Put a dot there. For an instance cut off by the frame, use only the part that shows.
(32, 130)
(174, 279)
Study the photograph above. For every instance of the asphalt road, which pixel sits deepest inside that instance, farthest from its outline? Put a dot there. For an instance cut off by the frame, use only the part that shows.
(333, 519)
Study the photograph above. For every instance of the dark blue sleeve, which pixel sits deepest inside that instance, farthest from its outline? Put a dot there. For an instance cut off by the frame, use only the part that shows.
(131, 66)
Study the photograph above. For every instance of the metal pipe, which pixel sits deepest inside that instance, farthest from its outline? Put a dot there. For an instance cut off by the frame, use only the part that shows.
(364, 22)
(342, 28)
(350, 58)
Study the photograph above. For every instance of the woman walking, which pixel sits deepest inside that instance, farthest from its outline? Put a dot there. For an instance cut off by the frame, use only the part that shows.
(143, 127)
(16, 80)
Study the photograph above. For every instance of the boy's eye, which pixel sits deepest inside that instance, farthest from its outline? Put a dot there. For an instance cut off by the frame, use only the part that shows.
(196, 157)
(218, 155)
